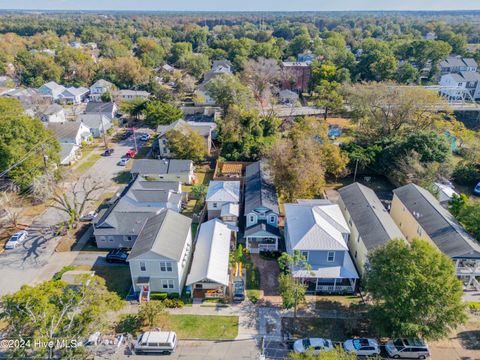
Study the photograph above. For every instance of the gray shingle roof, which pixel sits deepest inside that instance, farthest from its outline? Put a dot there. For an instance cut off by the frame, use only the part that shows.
(164, 234)
(99, 107)
(259, 188)
(153, 166)
(439, 224)
(65, 130)
(262, 226)
(203, 129)
(373, 222)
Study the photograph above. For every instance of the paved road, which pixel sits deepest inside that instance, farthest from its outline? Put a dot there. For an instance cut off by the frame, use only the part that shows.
(201, 350)
(27, 263)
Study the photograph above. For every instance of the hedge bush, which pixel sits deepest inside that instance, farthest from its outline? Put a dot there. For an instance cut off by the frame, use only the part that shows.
(158, 296)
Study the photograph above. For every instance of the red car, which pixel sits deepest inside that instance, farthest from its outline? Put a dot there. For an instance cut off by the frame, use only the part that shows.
(131, 153)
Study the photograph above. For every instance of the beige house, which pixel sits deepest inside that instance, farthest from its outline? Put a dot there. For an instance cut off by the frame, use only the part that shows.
(419, 214)
(370, 223)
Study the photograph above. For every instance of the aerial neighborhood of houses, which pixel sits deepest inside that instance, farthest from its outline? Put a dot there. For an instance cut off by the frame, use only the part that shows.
(268, 198)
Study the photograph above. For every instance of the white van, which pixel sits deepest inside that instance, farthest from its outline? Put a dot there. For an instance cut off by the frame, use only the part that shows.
(156, 342)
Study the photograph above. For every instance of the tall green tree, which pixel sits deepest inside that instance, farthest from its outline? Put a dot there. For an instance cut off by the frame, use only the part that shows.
(186, 144)
(23, 143)
(377, 61)
(161, 113)
(56, 312)
(227, 90)
(415, 290)
(329, 97)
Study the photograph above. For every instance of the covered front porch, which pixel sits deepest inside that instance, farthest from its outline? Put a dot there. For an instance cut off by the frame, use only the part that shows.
(468, 270)
(208, 290)
(258, 244)
(330, 285)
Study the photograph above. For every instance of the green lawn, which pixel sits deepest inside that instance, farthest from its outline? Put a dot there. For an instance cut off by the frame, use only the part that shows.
(253, 280)
(117, 278)
(88, 162)
(207, 327)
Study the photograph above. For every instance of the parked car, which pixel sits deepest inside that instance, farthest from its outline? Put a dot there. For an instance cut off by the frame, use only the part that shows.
(123, 162)
(318, 345)
(156, 342)
(362, 347)
(16, 239)
(108, 152)
(126, 135)
(130, 153)
(407, 348)
(88, 216)
(118, 256)
(238, 291)
(144, 137)
(476, 189)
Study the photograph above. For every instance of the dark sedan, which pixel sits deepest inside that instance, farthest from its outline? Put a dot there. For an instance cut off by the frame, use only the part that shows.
(117, 256)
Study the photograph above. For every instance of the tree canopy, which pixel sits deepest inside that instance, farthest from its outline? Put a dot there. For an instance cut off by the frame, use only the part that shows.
(415, 290)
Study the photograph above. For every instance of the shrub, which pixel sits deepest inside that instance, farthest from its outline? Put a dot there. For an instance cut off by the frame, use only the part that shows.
(174, 296)
(59, 274)
(173, 303)
(158, 296)
(466, 174)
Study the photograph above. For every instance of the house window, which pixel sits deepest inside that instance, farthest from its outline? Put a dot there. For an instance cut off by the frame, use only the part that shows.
(166, 266)
(419, 231)
(355, 254)
(252, 218)
(331, 256)
(111, 238)
(167, 284)
(305, 255)
(143, 267)
(129, 238)
(214, 205)
(272, 219)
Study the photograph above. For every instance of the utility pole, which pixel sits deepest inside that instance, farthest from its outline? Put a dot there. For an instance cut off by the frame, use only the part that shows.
(104, 132)
(134, 139)
(355, 173)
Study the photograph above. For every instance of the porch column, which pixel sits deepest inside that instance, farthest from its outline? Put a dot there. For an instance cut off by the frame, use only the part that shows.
(334, 284)
(353, 285)
(246, 243)
(276, 244)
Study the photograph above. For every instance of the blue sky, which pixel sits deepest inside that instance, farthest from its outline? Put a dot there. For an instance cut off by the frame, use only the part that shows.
(245, 5)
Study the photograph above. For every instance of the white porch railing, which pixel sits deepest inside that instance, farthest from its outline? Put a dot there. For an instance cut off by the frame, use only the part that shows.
(267, 247)
(468, 270)
(335, 288)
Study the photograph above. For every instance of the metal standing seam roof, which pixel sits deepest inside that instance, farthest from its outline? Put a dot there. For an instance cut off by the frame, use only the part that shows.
(316, 227)
(441, 226)
(262, 226)
(165, 166)
(373, 222)
(211, 257)
(164, 234)
(203, 129)
(223, 191)
(94, 120)
(259, 188)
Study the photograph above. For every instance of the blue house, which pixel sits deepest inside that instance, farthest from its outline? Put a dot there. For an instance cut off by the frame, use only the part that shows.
(319, 232)
(261, 210)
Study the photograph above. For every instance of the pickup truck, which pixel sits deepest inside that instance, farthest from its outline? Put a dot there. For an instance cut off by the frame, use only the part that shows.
(131, 153)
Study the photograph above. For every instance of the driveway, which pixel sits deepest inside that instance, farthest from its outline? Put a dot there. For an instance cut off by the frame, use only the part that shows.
(32, 260)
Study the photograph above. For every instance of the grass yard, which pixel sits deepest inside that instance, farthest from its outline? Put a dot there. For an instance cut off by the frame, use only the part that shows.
(337, 302)
(206, 327)
(253, 280)
(117, 278)
(88, 162)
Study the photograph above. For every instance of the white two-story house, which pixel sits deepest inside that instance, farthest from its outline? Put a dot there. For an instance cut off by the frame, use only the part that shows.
(99, 88)
(261, 210)
(318, 231)
(160, 259)
(220, 196)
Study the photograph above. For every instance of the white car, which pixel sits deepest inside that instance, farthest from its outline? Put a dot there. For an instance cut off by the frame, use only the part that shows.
(16, 239)
(144, 137)
(123, 162)
(89, 216)
(317, 345)
(362, 347)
